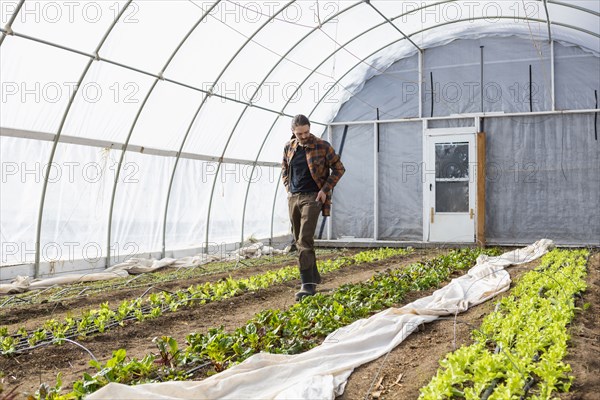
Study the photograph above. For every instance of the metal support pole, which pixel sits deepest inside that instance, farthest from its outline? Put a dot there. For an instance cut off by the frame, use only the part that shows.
(548, 19)
(274, 202)
(376, 181)
(257, 90)
(481, 76)
(330, 219)
(421, 58)
(552, 80)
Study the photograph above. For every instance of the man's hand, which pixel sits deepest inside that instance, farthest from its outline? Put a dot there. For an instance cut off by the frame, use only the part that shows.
(321, 196)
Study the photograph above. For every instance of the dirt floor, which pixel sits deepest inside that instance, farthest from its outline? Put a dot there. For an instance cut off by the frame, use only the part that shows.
(398, 375)
(584, 348)
(28, 371)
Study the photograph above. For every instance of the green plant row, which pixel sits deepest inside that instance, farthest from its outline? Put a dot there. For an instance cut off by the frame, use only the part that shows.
(291, 331)
(519, 348)
(75, 290)
(103, 318)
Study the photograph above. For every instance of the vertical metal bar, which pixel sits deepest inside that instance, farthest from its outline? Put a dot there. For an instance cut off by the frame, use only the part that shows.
(426, 192)
(552, 83)
(376, 181)
(421, 82)
(257, 90)
(596, 116)
(170, 186)
(330, 219)
(481, 75)
(530, 89)
(432, 94)
(275, 201)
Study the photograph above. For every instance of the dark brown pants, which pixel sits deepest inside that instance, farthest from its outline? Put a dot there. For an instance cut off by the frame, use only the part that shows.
(304, 213)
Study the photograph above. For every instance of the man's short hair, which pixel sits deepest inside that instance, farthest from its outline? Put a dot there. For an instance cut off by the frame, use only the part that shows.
(300, 120)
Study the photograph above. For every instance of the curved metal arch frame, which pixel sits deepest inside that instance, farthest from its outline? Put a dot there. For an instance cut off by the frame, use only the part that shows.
(96, 57)
(316, 68)
(193, 120)
(259, 87)
(304, 81)
(548, 21)
(394, 26)
(387, 21)
(396, 41)
(444, 24)
(57, 140)
(8, 26)
(573, 6)
(134, 123)
(8, 31)
(337, 82)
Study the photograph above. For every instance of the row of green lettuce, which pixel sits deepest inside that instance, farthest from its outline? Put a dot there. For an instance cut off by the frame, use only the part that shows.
(519, 348)
(300, 328)
(87, 289)
(155, 304)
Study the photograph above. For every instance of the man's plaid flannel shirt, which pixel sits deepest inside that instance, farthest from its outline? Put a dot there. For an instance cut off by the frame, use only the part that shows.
(325, 166)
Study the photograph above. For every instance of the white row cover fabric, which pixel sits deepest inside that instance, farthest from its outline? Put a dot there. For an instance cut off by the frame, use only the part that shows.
(135, 266)
(321, 373)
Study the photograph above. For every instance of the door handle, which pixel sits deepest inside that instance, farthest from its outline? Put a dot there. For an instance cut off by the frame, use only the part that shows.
(471, 213)
(431, 215)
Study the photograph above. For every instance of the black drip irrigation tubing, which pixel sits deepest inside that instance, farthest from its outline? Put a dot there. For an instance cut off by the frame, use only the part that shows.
(24, 346)
(205, 363)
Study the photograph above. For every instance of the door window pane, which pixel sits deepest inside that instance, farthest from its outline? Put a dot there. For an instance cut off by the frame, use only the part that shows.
(452, 196)
(451, 160)
(452, 177)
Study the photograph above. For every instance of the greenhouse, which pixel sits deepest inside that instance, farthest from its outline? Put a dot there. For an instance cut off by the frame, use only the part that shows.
(146, 146)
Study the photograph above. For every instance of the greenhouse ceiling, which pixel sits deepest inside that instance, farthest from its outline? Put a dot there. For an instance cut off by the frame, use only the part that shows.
(150, 89)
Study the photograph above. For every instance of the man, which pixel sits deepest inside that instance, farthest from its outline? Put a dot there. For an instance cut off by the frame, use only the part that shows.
(311, 169)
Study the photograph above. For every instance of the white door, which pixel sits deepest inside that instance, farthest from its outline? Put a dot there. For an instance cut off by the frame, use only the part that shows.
(450, 187)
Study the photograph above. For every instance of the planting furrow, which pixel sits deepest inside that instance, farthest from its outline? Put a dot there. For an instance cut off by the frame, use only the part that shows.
(139, 309)
(79, 290)
(291, 331)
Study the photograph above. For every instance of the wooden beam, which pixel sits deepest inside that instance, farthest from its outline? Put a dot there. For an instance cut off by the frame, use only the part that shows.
(480, 227)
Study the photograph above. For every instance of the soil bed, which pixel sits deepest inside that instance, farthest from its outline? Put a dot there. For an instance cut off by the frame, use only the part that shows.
(42, 365)
(398, 375)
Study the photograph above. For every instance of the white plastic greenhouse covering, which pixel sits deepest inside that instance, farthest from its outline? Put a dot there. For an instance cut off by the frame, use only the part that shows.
(157, 127)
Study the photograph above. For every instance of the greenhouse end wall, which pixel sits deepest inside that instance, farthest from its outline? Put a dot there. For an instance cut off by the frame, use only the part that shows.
(542, 171)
